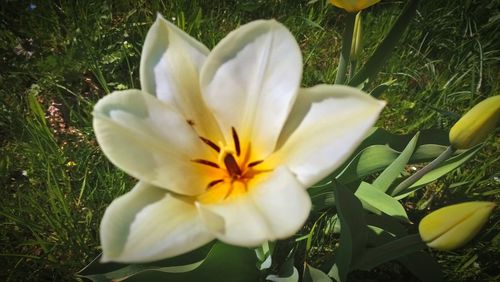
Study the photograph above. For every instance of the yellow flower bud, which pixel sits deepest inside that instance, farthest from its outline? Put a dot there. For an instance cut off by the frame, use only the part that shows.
(353, 5)
(453, 226)
(476, 124)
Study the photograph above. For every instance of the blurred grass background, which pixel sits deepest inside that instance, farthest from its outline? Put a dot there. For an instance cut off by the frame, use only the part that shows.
(57, 58)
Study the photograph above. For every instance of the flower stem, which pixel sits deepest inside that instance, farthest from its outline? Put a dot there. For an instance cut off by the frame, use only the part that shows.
(419, 174)
(346, 49)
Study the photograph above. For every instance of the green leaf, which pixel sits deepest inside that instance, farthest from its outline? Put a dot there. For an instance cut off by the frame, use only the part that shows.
(381, 201)
(390, 251)
(315, 275)
(263, 253)
(447, 166)
(384, 49)
(205, 264)
(381, 148)
(36, 109)
(294, 277)
(423, 266)
(321, 197)
(379, 136)
(385, 179)
(354, 232)
(379, 90)
(366, 162)
(345, 51)
(427, 152)
(287, 272)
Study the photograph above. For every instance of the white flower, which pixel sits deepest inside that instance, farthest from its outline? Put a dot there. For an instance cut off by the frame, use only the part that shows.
(224, 143)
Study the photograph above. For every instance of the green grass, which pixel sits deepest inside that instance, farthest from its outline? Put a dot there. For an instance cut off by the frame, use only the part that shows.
(56, 183)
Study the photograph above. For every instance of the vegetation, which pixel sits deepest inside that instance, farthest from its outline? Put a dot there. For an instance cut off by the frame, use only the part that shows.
(58, 58)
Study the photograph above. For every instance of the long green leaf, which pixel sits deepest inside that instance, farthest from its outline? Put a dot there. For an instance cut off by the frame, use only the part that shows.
(423, 266)
(390, 251)
(385, 179)
(447, 166)
(384, 49)
(366, 162)
(315, 275)
(202, 264)
(380, 148)
(377, 199)
(353, 235)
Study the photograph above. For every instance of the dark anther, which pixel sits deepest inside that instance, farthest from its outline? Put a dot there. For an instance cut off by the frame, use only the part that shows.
(252, 164)
(213, 183)
(232, 166)
(205, 162)
(236, 141)
(211, 144)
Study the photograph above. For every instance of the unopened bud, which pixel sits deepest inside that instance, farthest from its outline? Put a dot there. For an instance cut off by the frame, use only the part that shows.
(353, 5)
(476, 124)
(453, 226)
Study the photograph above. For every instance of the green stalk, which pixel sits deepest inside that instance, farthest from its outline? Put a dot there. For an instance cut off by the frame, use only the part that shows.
(419, 174)
(345, 52)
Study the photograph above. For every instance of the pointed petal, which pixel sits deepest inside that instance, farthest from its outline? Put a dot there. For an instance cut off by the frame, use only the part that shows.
(275, 207)
(150, 141)
(250, 81)
(326, 124)
(149, 224)
(170, 64)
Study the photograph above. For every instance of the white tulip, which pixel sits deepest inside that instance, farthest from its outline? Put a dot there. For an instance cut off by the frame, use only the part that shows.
(224, 142)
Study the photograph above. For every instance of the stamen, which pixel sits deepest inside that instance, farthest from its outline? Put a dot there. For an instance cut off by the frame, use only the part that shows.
(213, 183)
(232, 166)
(252, 164)
(205, 162)
(231, 187)
(236, 142)
(211, 144)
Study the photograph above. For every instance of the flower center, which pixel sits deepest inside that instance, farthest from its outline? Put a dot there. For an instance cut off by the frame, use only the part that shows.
(233, 170)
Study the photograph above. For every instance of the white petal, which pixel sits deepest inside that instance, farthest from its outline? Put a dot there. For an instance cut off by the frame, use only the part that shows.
(250, 81)
(149, 224)
(327, 123)
(275, 207)
(150, 141)
(170, 64)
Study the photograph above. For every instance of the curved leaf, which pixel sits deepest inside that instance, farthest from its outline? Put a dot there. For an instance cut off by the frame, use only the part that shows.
(447, 166)
(385, 179)
(353, 235)
(377, 199)
(204, 264)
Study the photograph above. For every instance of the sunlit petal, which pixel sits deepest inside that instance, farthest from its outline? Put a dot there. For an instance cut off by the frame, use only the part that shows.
(150, 141)
(170, 64)
(274, 208)
(326, 124)
(148, 224)
(250, 82)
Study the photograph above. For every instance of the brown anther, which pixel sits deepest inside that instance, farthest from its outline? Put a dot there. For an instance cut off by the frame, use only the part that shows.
(205, 162)
(252, 164)
(211, 144)
(232, 166)
(213, 183)
(236, 141)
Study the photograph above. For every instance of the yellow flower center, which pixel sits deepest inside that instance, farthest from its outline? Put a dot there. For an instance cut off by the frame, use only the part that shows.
(231, 172)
